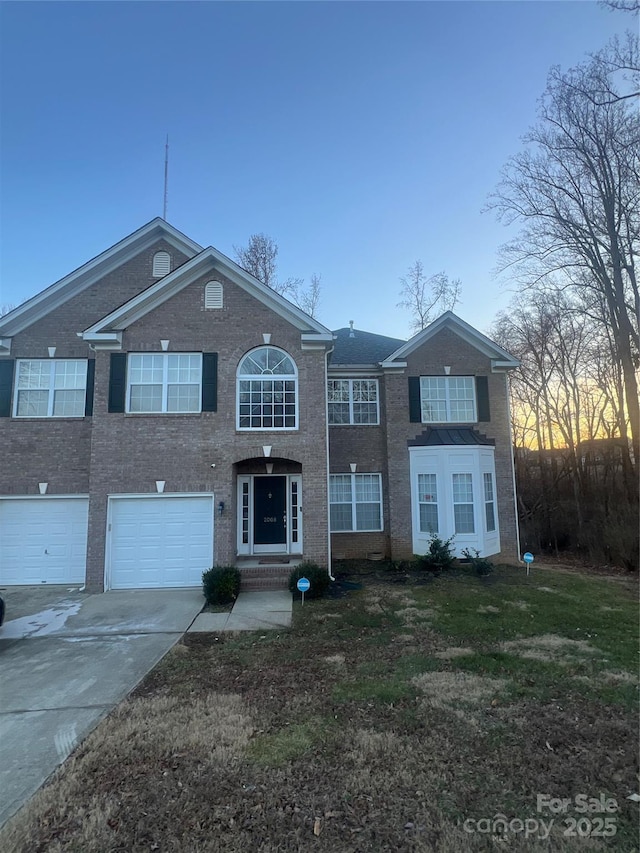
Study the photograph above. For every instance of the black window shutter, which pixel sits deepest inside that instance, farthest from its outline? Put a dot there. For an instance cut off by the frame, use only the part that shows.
(117, 381)
(209, 381)
(482, 398)
(415, 408)
(6, 385)
(88, 400)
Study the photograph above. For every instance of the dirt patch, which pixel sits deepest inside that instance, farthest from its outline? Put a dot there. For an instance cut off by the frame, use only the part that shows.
(454, 652)
(488, 608)
(550, 647)
(446, 689)
(339, 739)
(518, 605)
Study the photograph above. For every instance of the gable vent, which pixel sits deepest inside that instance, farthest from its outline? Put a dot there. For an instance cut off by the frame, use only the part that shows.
(213, 295)
(161, 264)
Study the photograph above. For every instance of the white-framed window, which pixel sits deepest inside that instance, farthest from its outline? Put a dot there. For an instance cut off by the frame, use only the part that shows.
(428, 502)
(267, 390)
(463, 503)
(353, 401)
(448, 399)
(489, 503)
(164, 382)
(355, 502)
(161, 264)
(50, 388)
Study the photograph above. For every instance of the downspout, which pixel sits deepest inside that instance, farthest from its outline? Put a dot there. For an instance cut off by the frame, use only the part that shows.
(513, 467)
(326, 427)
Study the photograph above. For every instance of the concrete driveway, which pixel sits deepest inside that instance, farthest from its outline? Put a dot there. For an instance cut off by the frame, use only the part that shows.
(66, 659)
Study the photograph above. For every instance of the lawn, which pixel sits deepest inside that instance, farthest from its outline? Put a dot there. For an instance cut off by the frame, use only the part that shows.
(410, 714)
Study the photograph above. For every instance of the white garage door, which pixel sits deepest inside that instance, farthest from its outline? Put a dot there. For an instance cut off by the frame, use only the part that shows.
(160, 541)
(43, 540)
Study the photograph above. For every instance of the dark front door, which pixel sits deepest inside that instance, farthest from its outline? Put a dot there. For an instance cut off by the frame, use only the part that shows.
(270, 511)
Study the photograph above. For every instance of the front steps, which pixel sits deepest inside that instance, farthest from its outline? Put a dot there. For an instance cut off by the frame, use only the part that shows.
(267, 572)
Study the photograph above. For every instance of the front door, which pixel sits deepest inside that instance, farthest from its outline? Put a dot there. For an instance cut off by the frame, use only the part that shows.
(270, 514)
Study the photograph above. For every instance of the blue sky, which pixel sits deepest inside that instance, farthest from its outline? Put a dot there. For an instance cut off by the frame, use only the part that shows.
(360, 136)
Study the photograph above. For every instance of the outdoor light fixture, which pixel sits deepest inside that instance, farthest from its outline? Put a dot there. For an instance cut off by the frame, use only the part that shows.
(220, 507)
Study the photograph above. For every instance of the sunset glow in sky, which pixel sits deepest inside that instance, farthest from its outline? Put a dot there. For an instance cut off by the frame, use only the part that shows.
(360, 136)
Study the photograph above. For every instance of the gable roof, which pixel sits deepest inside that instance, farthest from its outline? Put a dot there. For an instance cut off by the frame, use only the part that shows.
(108, 330)
(86, 275)
(355, 347)
(500, 358)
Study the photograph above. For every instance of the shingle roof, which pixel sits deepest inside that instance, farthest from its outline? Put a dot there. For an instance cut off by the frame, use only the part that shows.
(352, 346)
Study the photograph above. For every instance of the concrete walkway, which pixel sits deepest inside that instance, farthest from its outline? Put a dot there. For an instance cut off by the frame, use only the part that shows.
(253, 611)
(66, 659)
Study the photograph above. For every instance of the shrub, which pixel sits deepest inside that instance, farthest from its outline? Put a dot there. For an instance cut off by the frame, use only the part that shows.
(221, 584)
(482, 566)
(439, 555)
(315, 574)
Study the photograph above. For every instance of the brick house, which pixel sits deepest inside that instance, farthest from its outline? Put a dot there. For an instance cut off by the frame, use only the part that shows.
(162, 411)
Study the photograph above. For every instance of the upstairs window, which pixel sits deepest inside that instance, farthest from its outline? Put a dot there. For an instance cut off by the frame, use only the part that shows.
(353, 401)
(267, 390)
(161, 264)
(50, 388)
(448, 399)
(164, 382)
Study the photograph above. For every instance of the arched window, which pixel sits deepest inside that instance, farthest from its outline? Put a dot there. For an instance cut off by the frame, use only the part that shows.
(213, 295)
(161, 264)
(267, 390)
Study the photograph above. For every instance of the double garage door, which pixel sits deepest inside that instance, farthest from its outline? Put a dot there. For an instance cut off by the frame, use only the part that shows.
(162, 541)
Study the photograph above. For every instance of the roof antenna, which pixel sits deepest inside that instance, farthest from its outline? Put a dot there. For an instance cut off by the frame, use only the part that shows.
(352, 334)
(166, 176)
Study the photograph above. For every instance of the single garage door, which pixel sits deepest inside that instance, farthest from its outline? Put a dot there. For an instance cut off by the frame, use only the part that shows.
(43, 540)
(162, 541)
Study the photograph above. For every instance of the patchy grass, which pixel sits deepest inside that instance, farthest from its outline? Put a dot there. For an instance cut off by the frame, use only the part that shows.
(382, 721)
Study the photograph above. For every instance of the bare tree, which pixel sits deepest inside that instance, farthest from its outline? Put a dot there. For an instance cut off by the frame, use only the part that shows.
(621, 5)
(6, 308)
(308, 298)
(576, 191)
(259, 256)
(423, 295)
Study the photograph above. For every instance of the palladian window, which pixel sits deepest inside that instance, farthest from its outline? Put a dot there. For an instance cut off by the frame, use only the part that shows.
(267, 390)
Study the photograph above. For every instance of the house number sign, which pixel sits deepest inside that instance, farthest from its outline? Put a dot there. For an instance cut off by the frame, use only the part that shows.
(269, 519)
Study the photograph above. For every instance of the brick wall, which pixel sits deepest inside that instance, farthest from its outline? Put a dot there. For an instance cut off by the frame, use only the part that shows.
(446, 348)
(130, 452)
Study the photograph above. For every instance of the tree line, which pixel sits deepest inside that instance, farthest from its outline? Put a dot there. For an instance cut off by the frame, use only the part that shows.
(575, 192)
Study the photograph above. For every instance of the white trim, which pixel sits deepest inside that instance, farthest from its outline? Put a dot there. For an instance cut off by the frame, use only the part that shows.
(472, 336)
(51, 389)
(447, 400)
(207, 261)
(165, 385)
(268, 377)
(445, 461)
(149, 496)
(161, 264)
(87, 274)
(40, 497)
(353, 503)
(249, 548)
(351, 380)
